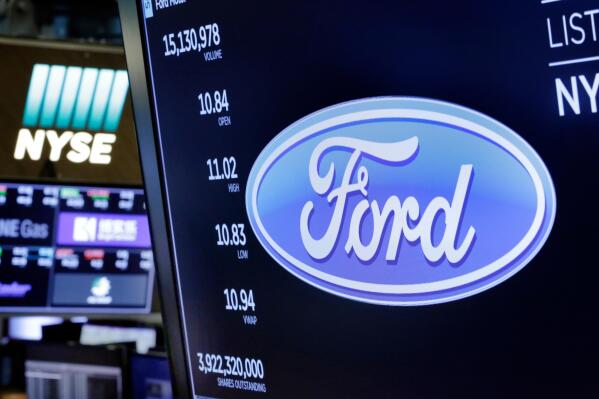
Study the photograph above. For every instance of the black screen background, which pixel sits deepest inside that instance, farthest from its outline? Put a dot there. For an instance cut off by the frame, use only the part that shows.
(534, 335)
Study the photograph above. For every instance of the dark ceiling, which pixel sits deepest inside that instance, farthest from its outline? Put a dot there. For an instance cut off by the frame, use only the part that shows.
(79, 20)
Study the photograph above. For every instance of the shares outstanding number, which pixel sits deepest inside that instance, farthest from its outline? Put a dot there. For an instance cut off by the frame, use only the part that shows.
(234, 366)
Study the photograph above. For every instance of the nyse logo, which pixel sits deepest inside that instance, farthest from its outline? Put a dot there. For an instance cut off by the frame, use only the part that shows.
(64, 104)
(400, 201)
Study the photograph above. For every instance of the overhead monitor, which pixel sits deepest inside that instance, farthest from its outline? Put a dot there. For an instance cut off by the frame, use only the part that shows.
(371, 199)
(74, 249)
(74, 233)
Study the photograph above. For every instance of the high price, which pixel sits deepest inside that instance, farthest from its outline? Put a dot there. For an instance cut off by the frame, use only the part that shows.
(222, 169)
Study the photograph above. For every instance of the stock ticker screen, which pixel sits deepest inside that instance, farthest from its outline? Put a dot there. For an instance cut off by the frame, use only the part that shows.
(74, 234)
(74, 249)
(380, 199)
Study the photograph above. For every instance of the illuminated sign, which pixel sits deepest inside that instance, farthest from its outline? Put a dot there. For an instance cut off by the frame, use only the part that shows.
(64, 104)
(400, 201)
(112, 230)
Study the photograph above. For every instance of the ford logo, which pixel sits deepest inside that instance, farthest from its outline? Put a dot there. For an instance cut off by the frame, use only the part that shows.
(400, 201)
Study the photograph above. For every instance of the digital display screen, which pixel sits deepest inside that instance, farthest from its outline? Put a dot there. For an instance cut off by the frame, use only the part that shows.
(66, 115)
(382, 199)
(74, 249)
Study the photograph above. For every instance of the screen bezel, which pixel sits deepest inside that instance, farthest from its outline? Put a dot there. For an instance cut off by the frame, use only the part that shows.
(152, 174)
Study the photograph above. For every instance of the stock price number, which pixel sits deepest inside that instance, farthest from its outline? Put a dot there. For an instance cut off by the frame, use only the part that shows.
(191, 40)
(230, 366)
(239, 300)
(223, 169)
(213, 103)
(233, 235)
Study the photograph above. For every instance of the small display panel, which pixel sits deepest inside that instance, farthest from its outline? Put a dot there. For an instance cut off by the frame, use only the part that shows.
(74, 249)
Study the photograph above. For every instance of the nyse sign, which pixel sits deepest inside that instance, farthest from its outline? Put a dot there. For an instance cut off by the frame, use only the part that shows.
(76, 147)
(71, 112)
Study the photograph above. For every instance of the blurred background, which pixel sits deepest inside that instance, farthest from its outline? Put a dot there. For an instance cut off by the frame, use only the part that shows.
(79, 315)
(90, 21)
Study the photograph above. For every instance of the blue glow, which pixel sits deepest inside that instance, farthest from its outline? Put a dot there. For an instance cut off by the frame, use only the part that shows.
(120, 87)
(75, 97)
(68, 97)
(37, 87)
(98, 107)
(52, 96)
(509, 190)
(85, 97)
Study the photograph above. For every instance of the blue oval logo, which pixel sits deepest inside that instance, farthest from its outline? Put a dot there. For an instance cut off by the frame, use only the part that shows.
(400, 201)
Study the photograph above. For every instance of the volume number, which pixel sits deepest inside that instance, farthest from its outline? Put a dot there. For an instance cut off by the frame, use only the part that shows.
(209, 35)
(189, 40)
